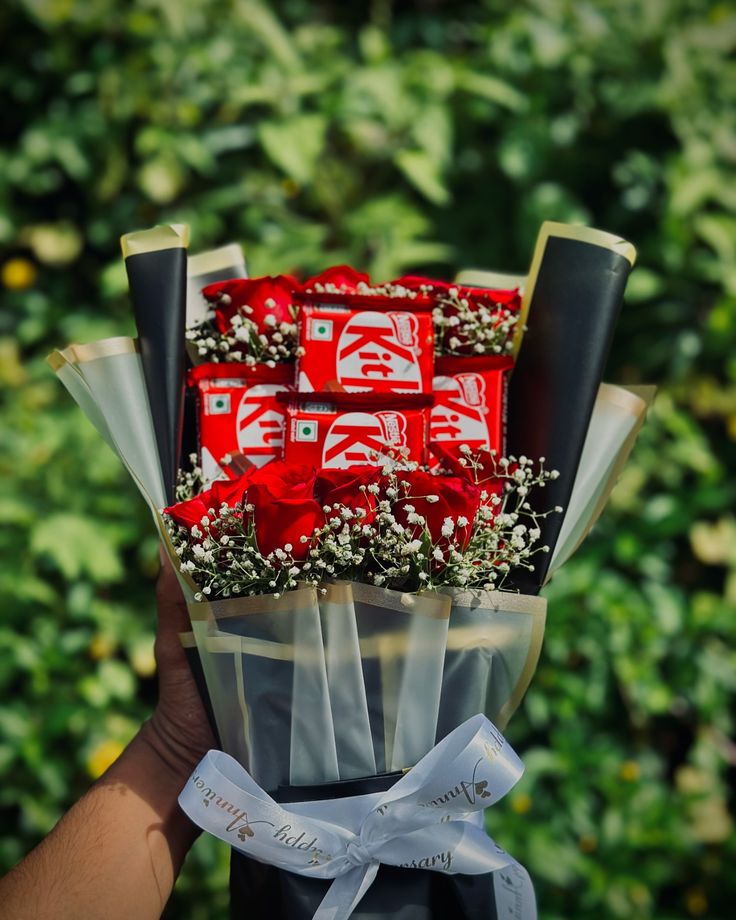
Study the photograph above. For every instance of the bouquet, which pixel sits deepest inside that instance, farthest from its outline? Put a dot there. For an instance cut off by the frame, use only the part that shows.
(363, 487)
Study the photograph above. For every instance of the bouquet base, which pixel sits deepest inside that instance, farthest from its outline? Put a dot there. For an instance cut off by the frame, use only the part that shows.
(261, 891)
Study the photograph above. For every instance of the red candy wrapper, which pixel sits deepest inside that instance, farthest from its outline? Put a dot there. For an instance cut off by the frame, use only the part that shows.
(239, 417)
(364, 350)
(470, 402)
(337, 431)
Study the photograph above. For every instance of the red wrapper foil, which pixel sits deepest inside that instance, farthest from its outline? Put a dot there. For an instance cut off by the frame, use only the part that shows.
(337, 431)
(470, 402)
(238, 415)
(364, 350)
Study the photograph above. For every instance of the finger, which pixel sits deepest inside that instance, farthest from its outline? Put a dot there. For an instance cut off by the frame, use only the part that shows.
(172, 607)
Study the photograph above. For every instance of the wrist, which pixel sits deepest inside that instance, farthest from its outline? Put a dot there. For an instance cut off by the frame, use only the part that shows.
(177, 751)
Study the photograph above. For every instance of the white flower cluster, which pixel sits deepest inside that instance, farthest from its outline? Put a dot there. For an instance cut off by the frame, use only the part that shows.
(382, 541)
(244, 343)
(477, 326)
(189, 482)
(389, 289)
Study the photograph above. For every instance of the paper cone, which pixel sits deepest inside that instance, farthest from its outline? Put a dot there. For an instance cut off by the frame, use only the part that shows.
(206, 268)
(570, 306)
(617, 418)
(106, 380)
(156, 263)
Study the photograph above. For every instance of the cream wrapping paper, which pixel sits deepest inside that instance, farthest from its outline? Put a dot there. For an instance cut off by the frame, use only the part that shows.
(106, 380)
(618, 415)
(205, 268)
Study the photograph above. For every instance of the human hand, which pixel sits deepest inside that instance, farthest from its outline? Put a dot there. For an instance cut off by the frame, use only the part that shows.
(178, 730)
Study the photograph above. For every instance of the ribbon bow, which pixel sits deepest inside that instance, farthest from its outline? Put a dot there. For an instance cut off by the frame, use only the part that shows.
(430, 819)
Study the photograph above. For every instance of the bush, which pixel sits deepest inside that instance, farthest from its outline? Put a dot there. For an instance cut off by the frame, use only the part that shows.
(432, 136)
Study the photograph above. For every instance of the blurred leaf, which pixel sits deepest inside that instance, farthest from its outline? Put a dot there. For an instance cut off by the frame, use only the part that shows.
(76, 546)
(423, 173)
(295, 145)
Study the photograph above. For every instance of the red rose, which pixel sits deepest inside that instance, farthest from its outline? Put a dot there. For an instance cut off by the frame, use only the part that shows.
(345, 278)
(455, 498)
(344, 487)
(282, 479)
(284, 508)
(280, 520)
(257, 299)
(189, 513)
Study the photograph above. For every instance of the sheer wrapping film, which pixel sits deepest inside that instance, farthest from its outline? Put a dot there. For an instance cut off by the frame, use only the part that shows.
(402, 642)
(493, 646)
(345, 678)
(270, 651)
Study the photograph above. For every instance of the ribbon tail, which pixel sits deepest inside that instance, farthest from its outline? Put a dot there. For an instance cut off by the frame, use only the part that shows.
(345, 892)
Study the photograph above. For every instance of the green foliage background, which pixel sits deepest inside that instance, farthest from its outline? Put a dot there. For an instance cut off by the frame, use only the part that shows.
(394, 135)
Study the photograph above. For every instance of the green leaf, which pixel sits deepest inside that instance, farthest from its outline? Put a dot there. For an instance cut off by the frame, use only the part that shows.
(424, 174)
(76, 546)
(493, 89)
(295, 145)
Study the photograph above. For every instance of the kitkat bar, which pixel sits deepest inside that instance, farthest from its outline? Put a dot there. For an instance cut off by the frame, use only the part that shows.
(470, 402)
(364, 350)
(240, 421)
(337, 431)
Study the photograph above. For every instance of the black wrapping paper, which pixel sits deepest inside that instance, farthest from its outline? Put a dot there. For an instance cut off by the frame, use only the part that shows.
(156, 263)
(573, 297)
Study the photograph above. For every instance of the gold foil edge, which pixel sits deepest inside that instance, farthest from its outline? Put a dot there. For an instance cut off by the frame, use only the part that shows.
(476, 277)
(156, 239)
(507, 601)
(566, 232)
(215, 260)
(104, 348)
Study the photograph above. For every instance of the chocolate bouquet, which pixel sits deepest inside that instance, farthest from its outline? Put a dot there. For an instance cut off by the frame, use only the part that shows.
(364, 487)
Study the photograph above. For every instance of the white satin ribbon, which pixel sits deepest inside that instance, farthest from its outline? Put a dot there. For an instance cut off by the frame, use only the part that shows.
(428, 820)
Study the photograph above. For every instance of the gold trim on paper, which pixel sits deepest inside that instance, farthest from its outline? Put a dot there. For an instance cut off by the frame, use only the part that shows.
(104, 348)
(242, 645)
(507, 601)
(624, 398)
(425, 603)
(566, 232)
(338, 592)
(56, 361)
(289, 602)
(476, 277)
(215, 260)
(644, 391)
(156, 239)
